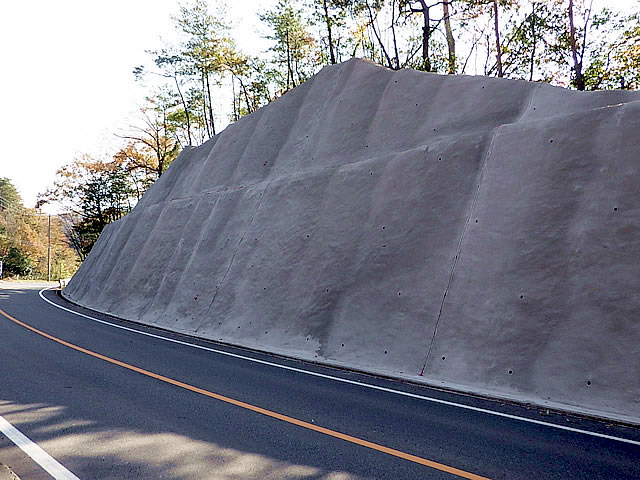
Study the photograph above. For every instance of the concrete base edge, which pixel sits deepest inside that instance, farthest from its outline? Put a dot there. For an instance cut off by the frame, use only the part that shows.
(442, 385)
(6, 473)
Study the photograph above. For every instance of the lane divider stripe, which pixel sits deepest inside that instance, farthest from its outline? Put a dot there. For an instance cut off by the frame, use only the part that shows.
(37, 454)
(253, 408)
(351, 382)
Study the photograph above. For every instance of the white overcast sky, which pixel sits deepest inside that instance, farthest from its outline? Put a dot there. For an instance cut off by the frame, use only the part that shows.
(66, 84)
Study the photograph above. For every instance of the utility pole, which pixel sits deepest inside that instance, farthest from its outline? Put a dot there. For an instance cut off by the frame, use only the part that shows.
(49, 253)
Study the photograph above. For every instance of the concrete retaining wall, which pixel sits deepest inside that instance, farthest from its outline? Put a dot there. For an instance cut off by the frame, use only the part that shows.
(484, 233)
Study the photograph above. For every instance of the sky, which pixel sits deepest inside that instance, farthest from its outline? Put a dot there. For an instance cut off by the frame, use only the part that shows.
(67, 85)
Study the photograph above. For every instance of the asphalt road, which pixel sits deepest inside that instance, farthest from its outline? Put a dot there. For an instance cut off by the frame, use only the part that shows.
(172, 411)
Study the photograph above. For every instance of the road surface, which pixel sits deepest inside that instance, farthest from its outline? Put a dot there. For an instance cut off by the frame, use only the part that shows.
(104, 402)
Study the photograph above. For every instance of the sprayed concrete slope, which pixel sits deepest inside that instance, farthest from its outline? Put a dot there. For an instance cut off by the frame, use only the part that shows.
(480, 231)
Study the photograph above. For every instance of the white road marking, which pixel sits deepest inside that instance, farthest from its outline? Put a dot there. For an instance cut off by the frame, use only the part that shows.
(351, 382)
(42, 458)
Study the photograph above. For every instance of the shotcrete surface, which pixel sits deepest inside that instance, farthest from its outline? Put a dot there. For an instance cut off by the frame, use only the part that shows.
(463, 231)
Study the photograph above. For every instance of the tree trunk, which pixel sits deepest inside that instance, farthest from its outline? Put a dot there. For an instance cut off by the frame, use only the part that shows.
(204, 106)
(235, 99)
(165, 133)
(577, 65)
(393, 31)
(328, 20)
(451, 43)
(497, 30)
(289, 67)
(186, 110)
(246, 96)
(213, 124)
(534, 39)
(375, 31)
(426, 33)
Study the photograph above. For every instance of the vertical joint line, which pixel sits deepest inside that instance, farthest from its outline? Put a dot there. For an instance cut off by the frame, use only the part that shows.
(459, 247)
(466, 225)
(224, 277)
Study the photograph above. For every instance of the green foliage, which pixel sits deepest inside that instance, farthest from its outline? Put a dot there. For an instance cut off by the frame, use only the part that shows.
(615, 59)
(24, 239)
(251, 80)
(16, 262)
(294, 51)
(94, 193)
(9, 196)
(529, 38)
(331, 18)
(150, 149)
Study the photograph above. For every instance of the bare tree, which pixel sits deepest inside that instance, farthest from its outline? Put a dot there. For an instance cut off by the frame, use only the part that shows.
(578, 57)
(426, 32)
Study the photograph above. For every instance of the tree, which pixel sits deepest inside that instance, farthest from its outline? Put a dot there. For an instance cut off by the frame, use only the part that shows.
(250, 81)
(26, 248)
(151, 148)
(9, 196)
(478, 8)
(293, 44)
(207, 50)
(451, 43)
(373, 10)
(577, 53)
(426, 32)
(16, 262)
(170, 64)
(94, 193)
(331, 14)
(497, 34)
(528, 39)
(614, 60)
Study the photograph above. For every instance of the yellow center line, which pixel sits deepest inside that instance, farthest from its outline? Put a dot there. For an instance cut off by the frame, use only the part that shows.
(253, 408)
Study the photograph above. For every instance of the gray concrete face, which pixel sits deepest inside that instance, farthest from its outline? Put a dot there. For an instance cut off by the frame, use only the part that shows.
(478, 231)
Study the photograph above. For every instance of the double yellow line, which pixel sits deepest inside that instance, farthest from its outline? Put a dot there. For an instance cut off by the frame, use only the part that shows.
(253, 408)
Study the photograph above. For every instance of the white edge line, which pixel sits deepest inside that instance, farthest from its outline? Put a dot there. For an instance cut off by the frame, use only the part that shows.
(42, 458)
(352, 382)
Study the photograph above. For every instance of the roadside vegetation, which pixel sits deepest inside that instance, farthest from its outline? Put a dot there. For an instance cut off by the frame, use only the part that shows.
(561, 42)
(32, 245)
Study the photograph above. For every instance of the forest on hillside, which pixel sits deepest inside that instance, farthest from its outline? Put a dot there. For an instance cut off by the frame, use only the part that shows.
(32, 244)
(562, 42)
